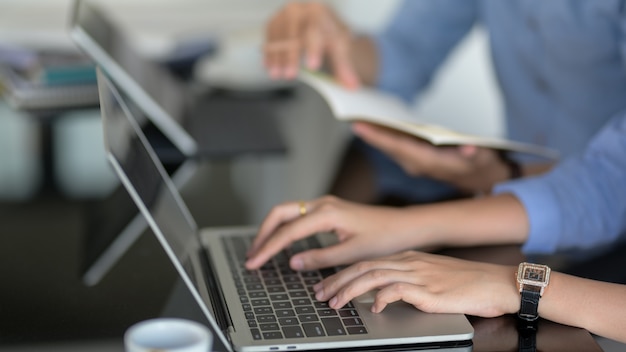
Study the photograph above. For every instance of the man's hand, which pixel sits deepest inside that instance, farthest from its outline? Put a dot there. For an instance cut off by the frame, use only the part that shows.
(314, 32)
(470, 168)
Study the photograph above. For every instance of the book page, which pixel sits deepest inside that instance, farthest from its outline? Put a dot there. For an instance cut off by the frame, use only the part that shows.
(371, 105)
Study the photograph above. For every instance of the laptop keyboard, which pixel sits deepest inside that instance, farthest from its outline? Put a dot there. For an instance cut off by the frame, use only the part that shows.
(280, 303)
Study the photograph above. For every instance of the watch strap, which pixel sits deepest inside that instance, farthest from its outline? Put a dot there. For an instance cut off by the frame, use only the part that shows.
(530, 303)
(527, 336)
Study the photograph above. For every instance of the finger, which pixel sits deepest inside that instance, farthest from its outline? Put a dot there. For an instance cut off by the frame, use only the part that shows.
(274, 44)
(331, 285)
(407, 150)
(368, 281)
(398, 261)
(400, 291)
(341, 253)
(279, 215)
(288, 233)
(342, 66)
(293, 28)
(313, 48)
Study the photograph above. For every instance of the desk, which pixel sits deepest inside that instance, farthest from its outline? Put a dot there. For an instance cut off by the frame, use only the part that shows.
(45, 303)
(494, 334)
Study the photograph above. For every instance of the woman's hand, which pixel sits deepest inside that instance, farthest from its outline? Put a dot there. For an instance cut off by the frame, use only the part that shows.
(362, 231)
(431, 283)
(470, 168)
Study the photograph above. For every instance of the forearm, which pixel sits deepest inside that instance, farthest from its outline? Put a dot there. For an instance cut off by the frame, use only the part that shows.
(593, 305)
(499, 219)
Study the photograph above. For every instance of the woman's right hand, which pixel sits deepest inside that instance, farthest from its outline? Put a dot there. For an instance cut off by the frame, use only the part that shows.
(363, 232)
(313, 31)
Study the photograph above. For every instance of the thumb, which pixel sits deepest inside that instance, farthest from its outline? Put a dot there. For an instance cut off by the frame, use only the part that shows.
(338, 254)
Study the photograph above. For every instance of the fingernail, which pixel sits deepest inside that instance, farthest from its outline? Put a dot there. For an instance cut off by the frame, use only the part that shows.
(332, 302)
(297, 264)
(248, 262)
(318, 286)
(319, 295)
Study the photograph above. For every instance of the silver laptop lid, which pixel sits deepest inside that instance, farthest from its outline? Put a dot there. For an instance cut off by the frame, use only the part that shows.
(98, 36)
(147, 182)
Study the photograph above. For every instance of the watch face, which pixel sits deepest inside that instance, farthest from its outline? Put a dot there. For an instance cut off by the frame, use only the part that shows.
(533, 274)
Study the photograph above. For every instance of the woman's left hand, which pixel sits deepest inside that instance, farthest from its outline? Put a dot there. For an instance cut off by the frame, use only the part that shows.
(431, 283)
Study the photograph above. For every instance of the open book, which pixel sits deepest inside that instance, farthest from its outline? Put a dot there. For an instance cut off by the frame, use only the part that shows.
(384, 109)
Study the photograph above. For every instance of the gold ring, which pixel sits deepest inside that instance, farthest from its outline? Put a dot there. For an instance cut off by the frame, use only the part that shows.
(302, 208)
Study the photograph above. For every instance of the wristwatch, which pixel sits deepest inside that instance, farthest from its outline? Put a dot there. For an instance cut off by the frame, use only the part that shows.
(532, 280)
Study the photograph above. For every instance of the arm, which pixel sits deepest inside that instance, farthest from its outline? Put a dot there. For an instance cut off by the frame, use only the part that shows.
(589, 304)
(418, 39)
(581, 196)
(440, 284)
(365, 232)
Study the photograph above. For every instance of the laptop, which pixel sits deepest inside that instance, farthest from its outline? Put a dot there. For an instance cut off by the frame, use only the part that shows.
(271, 309)
(196, 126)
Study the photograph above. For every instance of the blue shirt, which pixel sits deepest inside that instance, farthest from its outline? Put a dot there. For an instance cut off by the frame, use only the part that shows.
(561, 67)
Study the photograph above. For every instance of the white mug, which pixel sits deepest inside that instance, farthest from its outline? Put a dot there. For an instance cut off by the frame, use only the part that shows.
(168, 335)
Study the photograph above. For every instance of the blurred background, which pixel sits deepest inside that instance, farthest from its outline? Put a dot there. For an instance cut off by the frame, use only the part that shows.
(55, 182)
(163, 30)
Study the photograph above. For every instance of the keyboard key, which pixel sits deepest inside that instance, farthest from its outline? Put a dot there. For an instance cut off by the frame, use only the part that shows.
(256, 334)
(288, 321)
(313, 329)
(275, 289)
(344, 313)
(273, 282)
(252, 323)
(294, 286)
(283, 313)
(258, 294)
(305, 310)
(352, 321)
(269, 326)
(281, 305)
(333, 326)
(260, 302)
(251, 280)
(272, 335)
(263, 310)
(321, 305)
(254, 287)
(266, 319)
(291, 279)
(298, 294)
(306, 318)
(326, 312)
(279, 297)
(292, 332)
(356, 330)
(301, 302)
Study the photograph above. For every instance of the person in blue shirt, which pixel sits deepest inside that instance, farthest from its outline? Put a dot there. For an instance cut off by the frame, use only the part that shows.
(560, 66)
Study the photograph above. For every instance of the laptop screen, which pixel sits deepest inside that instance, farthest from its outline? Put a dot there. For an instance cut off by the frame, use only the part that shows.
(143, 175)
(158, 93)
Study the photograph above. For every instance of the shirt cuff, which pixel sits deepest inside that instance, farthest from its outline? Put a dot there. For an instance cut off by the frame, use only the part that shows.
(543, 213)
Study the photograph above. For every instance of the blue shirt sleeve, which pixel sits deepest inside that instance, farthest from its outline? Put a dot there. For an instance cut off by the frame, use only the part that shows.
(417, 40)
(581, 203)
